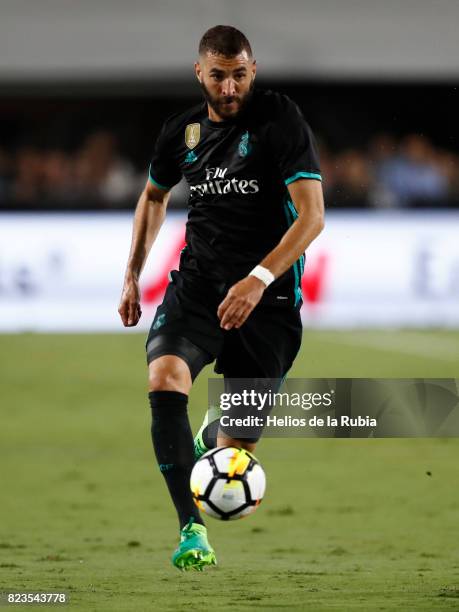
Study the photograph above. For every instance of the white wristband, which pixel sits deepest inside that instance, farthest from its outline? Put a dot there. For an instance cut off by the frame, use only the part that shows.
(263, 274)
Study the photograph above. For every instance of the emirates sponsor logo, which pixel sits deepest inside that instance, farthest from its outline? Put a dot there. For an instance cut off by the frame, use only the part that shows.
(216, 183)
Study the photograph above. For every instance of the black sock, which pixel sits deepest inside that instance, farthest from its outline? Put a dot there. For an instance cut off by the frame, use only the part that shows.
(209, 434)
(173, 444)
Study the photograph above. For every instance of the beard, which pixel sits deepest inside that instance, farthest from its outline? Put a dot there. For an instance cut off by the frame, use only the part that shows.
(220, 104)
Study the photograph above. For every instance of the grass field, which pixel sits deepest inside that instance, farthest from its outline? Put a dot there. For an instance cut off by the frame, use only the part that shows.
(346, 524)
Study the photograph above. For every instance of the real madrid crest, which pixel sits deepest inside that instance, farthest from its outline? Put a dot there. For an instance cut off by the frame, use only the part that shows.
(192, 134)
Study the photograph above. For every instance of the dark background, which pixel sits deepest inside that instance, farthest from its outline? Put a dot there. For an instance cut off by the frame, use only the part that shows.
(342, 115)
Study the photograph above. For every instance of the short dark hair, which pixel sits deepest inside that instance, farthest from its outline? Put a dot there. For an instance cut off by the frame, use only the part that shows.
(224, 40)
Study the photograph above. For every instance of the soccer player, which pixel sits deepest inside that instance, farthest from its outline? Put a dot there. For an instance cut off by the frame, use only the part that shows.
(255, 205)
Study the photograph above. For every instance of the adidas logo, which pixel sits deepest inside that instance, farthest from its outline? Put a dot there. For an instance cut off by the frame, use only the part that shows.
(191, 157)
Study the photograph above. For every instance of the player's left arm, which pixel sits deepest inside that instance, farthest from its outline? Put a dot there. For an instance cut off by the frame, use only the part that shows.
(242, 297)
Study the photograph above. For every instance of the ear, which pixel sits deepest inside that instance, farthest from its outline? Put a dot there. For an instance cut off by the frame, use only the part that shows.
(254, 69)
(198, 71)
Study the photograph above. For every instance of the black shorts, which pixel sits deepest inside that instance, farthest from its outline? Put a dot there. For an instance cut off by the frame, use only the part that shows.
(263, 347)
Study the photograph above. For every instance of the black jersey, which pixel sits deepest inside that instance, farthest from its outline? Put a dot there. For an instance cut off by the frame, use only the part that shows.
(238, 171)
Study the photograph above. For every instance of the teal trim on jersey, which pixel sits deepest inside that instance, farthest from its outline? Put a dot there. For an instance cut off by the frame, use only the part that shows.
(294, 212)
(302, 261)
(292, 209)
(152, 180)
(291, 214)
(299, 175)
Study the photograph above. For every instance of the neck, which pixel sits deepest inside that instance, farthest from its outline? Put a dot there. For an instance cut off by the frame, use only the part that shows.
(213, 116)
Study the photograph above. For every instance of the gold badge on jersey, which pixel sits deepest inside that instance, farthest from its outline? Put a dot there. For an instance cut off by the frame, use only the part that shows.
(192, 134)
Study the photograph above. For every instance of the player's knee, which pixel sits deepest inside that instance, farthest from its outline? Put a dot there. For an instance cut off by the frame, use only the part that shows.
(160, 380)
(169, 374)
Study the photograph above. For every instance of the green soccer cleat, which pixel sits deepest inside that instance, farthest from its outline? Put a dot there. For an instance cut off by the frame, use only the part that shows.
(212, 415)
(194, 550)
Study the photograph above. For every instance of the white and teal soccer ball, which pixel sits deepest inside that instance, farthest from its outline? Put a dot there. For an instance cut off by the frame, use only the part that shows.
(228, 483)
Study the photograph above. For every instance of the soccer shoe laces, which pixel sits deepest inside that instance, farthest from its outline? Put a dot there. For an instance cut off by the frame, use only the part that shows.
(188, 526)
(191, 529)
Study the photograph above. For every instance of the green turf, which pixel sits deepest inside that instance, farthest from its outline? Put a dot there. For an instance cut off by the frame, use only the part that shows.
(346, 524)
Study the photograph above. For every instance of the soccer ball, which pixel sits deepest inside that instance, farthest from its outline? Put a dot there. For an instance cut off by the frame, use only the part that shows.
(227, 483)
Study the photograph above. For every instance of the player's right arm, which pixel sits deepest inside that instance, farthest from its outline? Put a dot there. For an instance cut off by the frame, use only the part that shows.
(148, 218)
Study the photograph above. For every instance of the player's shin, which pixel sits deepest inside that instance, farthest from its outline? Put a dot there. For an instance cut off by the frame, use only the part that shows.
(173, 444)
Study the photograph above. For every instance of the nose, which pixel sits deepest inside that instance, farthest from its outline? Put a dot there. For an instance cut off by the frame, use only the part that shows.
(228, 87)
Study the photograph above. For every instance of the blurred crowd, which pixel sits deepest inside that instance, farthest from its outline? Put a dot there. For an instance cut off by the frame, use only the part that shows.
(392, 173)
(94, 176)
(388, 173)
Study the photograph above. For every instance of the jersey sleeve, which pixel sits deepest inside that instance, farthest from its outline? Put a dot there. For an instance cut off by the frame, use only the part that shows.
(293, 145)
(164, 171)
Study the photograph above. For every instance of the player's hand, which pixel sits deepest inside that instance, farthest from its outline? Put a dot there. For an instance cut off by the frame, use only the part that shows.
(129, 308)
(239, 302)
